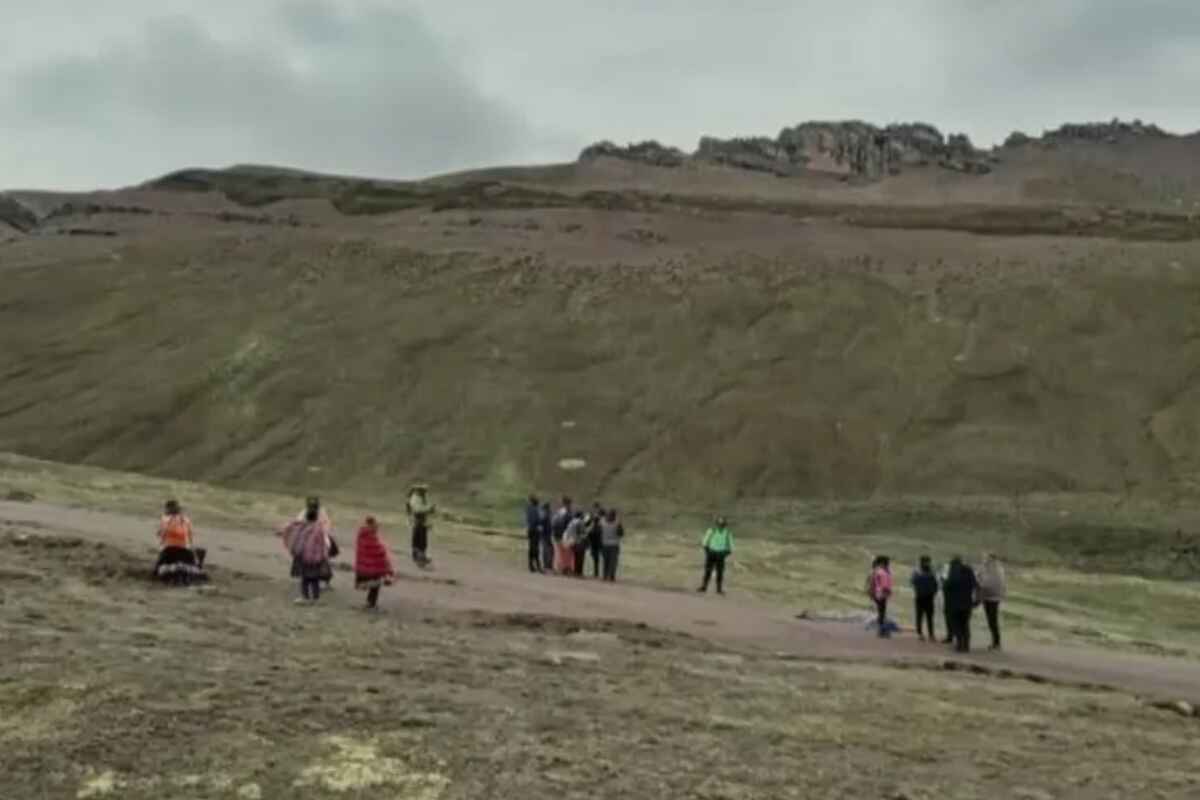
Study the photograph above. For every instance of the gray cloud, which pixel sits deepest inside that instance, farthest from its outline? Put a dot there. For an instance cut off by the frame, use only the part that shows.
(367, 92)
(429, 85)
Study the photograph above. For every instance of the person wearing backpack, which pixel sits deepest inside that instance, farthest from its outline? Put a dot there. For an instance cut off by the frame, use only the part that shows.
(925, 590)
(880, 583)
(718, 546)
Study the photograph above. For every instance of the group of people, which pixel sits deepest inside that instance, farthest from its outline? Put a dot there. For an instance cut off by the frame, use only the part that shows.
(560, 542)
(962, 590)
(310, 542)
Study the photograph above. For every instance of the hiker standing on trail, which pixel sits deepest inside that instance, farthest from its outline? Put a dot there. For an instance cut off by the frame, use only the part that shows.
(533, 531)
(593, 538)
(177, 557)
(880, 585)
(326, 526)
(570, 540)
(718, 546)
(925, 590)
(943, 574)
(562, 518)
(546, 535)
(993, 589)
(612, 532)
(581, 542)
(372, 563)
(960, 593)
(309, 546)
(419, 511)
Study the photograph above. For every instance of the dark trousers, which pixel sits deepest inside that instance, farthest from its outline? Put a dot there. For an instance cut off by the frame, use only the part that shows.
(597, 550)
(310, 588)
(547, 551)
(948, 618)
(960, 629)
(611, 554)
(925, 616)
(881, 618)
(535, 551)
(992, 610)
(714, 562)
(580, 554)
(373, 597)
(420, 539)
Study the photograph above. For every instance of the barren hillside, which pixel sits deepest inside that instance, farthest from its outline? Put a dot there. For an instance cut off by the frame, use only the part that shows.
(693, 332)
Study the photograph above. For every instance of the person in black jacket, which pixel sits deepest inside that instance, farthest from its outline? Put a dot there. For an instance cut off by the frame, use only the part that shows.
(533, 532)
(593, 538)
(960, 593)
(925, 589)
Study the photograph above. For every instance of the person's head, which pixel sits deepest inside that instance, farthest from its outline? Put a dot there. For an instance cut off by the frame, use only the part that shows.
(926, 564)
(885, 562)
(311, 513)
(370, 523)
(421, 489)
(579, 514)
(533, 501)
(597, 508)
(171, 507)
(956, 561)
(545, 506)
(611, 516)
(989, 559)
(313, 503)
(722, 522)
(566, 501)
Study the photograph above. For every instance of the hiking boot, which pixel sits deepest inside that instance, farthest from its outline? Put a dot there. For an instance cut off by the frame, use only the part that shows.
(702, 589)
(720, 591)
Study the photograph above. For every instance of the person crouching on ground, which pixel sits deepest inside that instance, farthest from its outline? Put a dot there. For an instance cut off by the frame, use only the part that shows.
(718, 546)
(881, 591)
(176, 556)
(925, 590)
(309, 546)
(993, 589)
(372, 562)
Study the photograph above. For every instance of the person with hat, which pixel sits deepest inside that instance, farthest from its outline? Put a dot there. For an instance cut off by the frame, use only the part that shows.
(718, 546)
(419, 511)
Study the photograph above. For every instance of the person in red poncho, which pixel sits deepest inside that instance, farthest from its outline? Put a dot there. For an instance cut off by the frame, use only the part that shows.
(372, 562)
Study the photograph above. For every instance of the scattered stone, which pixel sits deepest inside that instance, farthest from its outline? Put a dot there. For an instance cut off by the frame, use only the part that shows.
(1181, 707)
(251, 791)
(560, 657)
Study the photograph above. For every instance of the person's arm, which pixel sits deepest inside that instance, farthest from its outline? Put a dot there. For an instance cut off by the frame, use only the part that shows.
(707, 538)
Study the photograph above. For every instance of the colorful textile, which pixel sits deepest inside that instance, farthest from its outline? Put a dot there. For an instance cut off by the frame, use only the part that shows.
(371, 557)
(881, 584)
(175, 530)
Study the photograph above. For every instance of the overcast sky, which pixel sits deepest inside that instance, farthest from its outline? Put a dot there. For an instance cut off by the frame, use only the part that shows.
(101, 93)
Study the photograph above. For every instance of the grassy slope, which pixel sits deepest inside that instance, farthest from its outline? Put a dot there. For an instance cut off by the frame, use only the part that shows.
(811, 556)
(126, 690)
(896, 362)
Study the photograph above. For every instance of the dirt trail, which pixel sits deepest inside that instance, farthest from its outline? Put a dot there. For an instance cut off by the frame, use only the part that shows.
(462, 584)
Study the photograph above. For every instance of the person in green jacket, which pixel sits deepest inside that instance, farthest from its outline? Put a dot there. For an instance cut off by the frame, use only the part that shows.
(718, 546)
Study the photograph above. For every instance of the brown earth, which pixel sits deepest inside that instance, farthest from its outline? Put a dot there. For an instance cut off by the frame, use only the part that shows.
(736, 620)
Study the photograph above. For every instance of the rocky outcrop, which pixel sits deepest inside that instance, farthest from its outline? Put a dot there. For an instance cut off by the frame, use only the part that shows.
(851, 148)
(648, 152)
(1095, 132)
(16, 215)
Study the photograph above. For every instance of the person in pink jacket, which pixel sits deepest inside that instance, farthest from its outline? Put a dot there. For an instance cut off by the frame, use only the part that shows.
(881, 590)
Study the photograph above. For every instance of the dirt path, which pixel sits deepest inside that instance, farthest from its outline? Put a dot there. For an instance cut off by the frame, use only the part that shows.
(462, 584)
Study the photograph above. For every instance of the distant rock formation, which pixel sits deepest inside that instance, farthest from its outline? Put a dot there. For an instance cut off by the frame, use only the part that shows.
(851, 148)
(647, 152)
(16, 215)
(1096, 132)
